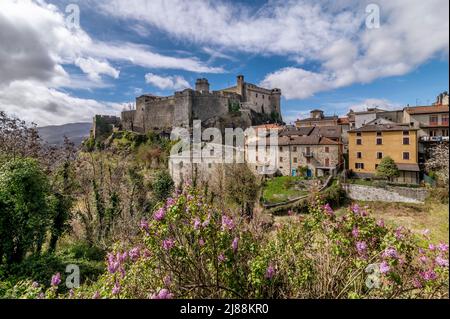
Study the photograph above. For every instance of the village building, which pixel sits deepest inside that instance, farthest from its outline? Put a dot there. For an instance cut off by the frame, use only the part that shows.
(369, 144)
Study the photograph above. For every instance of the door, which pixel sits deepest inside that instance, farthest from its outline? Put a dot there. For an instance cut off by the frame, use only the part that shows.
(294, 172)
(309, 173)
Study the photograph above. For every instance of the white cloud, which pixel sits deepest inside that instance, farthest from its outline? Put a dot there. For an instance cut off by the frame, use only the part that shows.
(36, 45)
(167, 83)
(34, 102)
(94, 68)
(330, 34)
(371, 103)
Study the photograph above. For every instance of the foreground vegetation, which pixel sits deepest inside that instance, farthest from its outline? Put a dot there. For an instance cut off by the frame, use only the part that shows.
(112, 209)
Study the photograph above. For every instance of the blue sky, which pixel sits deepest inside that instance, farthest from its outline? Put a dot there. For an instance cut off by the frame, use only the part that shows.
(320, 53)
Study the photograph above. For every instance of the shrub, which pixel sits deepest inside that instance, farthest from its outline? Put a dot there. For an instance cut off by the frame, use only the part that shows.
(162, 186)
(189, 249)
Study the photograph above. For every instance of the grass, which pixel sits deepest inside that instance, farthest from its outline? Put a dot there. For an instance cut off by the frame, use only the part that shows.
(281, 189)
(416, 217)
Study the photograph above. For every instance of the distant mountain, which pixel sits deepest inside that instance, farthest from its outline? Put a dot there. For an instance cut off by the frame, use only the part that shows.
(54, 135)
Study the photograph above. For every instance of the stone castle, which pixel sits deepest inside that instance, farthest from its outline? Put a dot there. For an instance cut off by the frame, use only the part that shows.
(244, 104)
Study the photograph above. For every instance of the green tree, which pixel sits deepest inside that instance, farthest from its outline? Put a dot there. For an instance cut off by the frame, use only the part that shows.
(241, 187)
(387, 169)
(25, 214)
(162, 185)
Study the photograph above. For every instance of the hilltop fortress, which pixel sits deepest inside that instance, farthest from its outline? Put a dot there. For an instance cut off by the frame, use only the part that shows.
(242, 105)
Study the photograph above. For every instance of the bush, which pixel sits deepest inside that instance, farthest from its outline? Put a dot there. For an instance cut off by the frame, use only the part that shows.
(191, 250)
(162, 186)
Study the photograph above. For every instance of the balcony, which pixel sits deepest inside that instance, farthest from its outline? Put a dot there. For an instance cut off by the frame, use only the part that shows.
(434, 139)
(308, 154)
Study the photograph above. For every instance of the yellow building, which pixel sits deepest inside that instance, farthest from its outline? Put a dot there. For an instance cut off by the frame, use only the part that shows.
(369, 144)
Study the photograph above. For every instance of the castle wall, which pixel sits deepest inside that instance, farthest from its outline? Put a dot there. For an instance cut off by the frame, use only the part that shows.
(206, 106)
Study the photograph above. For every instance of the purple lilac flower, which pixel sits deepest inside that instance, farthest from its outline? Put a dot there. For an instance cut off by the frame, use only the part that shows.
(442, 261)
(390, 253)
(443, 247)
(168, 244)
(432, 247)
(56, 279)
(71, 293)
(270, 272)
(163, 294)
(206, 222)
(167, 280)
(221, 257)
(227, 223)
(235, 244)
(116, 289)
(355, 208)
(423, 259)
(380, 223)
(96, 295)
(146, 253)
(159, 214)
(355, 232)
(327, 208)
(122, 257)
(144, 224)
(170, 202)
(429, 275)
(398, 233)
(197, 223)
(35, 284)
(201, 242)
(134, 254)
(417, 284)
(361, 246)
(384, 267)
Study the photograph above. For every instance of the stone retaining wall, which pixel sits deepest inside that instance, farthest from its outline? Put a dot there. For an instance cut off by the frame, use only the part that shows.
(388, 194)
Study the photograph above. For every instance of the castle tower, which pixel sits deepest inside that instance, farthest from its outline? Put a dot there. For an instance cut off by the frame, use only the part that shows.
(240, 85)
(202, 85)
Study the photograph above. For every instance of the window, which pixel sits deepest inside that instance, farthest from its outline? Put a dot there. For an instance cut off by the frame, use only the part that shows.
(379, 134)
(209, 165)
(281, 148)
(294, 149)
(281, 160)
(445, 119)
(211, 152)
(327, 162)
(406, 156)
(379, 141)
(308, 160)
(359, 134)
(376, 166)
(406, 141)
(295, 160)
(263, 96)
(359, 141)
(434, 120)
(358, 155)
(327, 149)
(379, 155)
(359, 165)
(405, 133)
(444, 132)
(256, 94)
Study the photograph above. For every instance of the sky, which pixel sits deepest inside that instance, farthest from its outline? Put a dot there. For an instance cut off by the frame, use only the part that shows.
(332, 55)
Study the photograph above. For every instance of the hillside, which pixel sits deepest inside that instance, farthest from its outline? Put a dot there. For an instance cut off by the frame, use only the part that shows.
(54, 134)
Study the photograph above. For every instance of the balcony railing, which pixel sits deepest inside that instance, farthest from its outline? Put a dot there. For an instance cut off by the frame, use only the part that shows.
(434, 139)
(308, 154)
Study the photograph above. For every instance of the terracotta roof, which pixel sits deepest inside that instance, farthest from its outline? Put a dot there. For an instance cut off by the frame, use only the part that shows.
(268, 127)
(427, 109)
(300, 131)
(343, 120)
(383, 127)
(408, 167)
(306, 140)
(327, 131)
(325, 118)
